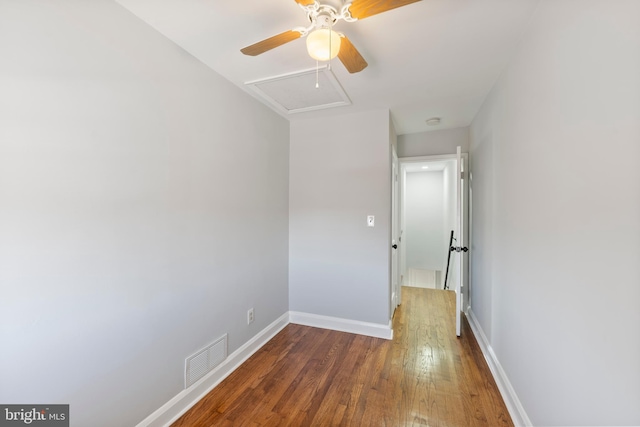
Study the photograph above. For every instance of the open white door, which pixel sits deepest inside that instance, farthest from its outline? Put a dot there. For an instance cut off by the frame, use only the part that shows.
(460, 247)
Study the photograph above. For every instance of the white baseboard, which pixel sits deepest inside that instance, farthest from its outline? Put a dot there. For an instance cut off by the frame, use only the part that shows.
(183, 401)
(515, 408)
(344, 325)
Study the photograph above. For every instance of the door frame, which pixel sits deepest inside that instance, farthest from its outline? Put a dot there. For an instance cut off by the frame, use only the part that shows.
(395, 256)
(467, 210)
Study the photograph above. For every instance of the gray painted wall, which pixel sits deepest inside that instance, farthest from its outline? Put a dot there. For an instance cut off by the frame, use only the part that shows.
(425, 221)
(433, 143)
(556, 191)
(128, 239)
(339, 174)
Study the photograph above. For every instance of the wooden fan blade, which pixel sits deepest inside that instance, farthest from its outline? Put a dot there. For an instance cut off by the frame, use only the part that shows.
(305, 2)
(350, 57)
(271, 42)
(361, 9)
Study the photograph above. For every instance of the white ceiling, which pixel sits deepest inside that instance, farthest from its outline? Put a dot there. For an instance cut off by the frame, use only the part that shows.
(433, 58)
(428, 166)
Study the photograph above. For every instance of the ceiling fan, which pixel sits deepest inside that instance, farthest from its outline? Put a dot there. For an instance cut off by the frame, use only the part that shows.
(323, 43)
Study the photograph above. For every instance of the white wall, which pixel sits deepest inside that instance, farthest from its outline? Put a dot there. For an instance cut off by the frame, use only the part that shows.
(424, 220)
(339, 174)
(128, 239)
(556, 189)
(433, 143)
(449, 204)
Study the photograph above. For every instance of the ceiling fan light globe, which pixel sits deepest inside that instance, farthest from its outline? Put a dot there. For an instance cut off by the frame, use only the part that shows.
(323, 44)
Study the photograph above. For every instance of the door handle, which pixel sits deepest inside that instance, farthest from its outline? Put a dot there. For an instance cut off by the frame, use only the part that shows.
(394, 246)
(458, 249)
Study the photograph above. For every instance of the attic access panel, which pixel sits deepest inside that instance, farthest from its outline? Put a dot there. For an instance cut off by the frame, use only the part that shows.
(297, 92)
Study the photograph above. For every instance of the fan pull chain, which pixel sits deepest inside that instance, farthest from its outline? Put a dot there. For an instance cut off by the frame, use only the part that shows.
(317, 74)
(330, 34)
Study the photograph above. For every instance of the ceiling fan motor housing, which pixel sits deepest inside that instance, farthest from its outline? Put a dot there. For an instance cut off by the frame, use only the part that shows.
(327, 13)
(324, 20)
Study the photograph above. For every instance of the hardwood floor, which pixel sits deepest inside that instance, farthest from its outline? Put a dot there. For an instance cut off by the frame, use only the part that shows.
(314, 377)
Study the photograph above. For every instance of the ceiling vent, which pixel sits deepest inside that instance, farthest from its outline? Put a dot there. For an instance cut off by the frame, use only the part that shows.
(298, 92)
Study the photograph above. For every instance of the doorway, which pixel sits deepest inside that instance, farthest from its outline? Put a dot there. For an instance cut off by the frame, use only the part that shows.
(427, 206)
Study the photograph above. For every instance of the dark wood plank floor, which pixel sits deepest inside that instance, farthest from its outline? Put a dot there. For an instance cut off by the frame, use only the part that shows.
(314, 377)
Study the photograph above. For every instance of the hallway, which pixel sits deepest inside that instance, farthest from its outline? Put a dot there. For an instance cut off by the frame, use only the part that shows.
(307, 376)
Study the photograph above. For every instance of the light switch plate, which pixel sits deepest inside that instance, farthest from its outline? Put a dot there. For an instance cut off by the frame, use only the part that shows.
(371, 221)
